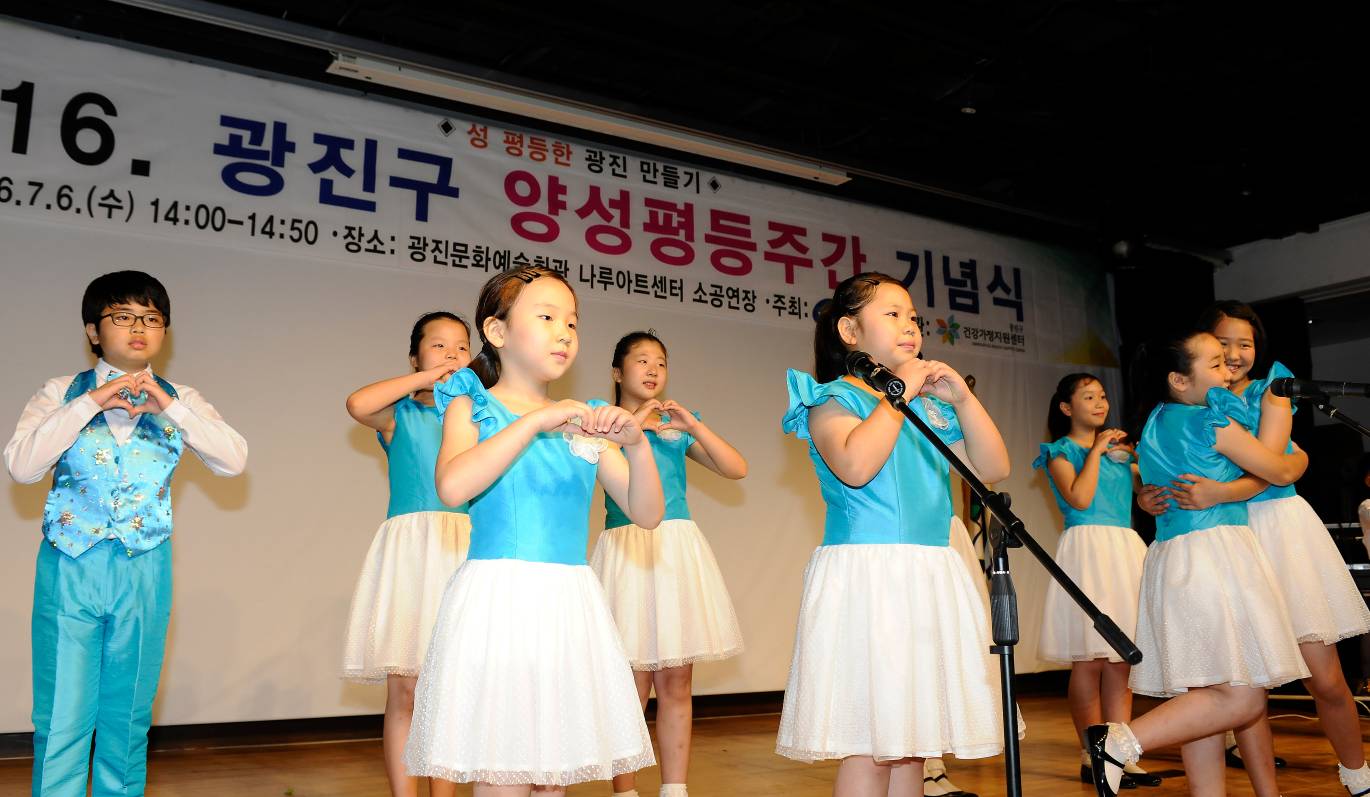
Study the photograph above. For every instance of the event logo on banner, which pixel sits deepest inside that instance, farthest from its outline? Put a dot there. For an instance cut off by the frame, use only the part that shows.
(98, 136)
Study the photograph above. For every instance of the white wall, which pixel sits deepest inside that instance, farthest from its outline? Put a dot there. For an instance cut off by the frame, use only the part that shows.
(1337, 253)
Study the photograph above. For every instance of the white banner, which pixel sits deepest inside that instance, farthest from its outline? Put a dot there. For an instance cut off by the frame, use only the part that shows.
(300, 230)
(98, 136)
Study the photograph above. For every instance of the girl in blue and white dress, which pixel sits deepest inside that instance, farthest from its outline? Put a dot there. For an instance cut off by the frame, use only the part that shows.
(1324, 604)
(891, 661)
(664, 586)
(525, 685)
(420, 544)
(1212, 624)
(1091, 473)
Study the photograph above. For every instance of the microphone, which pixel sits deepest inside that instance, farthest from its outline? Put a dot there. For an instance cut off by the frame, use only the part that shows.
(1308, 388)
(861, 366)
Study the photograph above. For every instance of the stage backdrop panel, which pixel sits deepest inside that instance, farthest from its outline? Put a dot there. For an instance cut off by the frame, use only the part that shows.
(300, 231)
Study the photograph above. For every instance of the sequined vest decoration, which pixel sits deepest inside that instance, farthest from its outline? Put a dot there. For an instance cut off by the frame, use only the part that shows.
(102, 490)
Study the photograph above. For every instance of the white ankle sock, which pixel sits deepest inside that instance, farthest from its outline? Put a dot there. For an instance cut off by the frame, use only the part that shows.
(673, 790)
(1120, 738)
(628, 793)
(1355, 780)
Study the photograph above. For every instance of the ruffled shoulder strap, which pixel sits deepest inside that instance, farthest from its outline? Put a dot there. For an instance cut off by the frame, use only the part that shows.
(1223, 407)
(806, 393)
(464, 383)
(1049, 451)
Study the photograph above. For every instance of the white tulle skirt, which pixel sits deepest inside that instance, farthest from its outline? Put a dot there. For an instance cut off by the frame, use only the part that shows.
(526, 682)
(1211, 613)
(891, 658)
(667, 595)
(1106, 561)
(965, 548)
(1324, 603)
(399, 591)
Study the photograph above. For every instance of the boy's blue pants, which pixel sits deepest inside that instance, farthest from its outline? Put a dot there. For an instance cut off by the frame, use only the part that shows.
(99, 630)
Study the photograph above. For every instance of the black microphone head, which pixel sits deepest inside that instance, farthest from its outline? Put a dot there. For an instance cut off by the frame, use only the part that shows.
(1282, 387)
(859, 363)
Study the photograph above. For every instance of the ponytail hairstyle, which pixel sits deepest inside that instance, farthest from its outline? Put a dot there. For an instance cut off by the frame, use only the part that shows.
(1230, 308)
(1152, 366)
(852, 294)
(496, 298)
(624, 345)
(1058, 423)
(416, 334)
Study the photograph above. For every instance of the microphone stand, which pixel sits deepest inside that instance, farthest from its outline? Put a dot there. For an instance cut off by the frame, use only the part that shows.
(1010, 532)
(1325, 406)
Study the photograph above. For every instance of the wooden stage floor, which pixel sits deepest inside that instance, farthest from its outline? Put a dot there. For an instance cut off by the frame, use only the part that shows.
(732, 756)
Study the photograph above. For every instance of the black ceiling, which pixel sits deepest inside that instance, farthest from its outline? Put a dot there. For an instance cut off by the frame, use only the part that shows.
(1200, 124)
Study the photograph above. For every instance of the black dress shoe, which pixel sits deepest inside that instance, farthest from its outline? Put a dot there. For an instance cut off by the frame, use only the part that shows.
(943, 776)
(1144, 778)
(1234, 761)
(1128, 782)
(1096, 741)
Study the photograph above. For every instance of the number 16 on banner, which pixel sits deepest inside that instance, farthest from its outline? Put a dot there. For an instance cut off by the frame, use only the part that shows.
(79, 116)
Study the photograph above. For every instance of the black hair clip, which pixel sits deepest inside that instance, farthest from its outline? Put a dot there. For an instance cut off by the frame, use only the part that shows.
(526, 274)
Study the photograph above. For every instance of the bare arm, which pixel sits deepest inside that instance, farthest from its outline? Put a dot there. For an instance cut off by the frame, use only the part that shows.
(373, 406)
(466, 466)
(709, 449)
(1252, 456)
(854, 449)
(1277, 420)
(1077, 488)
(984, 445)
(629, 476)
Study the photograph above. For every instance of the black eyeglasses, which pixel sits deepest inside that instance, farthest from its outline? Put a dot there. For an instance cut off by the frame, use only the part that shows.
(124, 318)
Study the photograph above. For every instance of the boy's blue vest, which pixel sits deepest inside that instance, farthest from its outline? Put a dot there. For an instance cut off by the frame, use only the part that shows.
(102, 490)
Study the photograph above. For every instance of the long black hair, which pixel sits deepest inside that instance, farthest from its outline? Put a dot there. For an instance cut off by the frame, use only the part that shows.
(496, 298)
(1152, 366)
(852, 294)
(416, 334)
(1058, 423)
(624, 345)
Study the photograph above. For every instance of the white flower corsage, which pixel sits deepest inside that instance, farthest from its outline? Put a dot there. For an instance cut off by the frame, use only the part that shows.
(1120, 455)
(587, 448)
(935, 416)
(668, 435)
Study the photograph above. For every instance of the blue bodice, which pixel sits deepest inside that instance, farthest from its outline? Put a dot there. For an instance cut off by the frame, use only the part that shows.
(1112, 504)
(909, 499)
(538, 510)
(1178, 439)
(670, 465)
(413, 455)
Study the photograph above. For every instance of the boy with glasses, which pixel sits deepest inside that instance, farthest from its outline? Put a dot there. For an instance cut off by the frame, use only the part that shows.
(102, 590)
